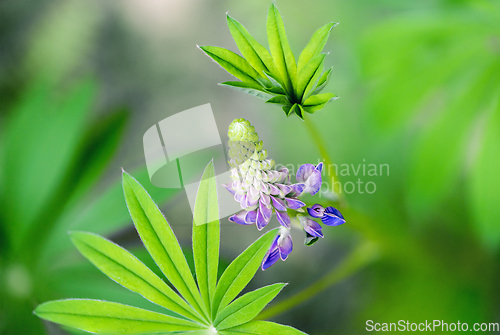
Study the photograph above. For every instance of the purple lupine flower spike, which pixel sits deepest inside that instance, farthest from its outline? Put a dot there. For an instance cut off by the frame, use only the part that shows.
(262, 190)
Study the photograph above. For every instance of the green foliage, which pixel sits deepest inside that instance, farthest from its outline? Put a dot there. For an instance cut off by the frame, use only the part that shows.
(437, 79)
(275, 76)
(203, 306)
(52, 153)
(484, 196)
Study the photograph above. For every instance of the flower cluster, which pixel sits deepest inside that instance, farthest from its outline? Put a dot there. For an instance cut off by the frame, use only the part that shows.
(261, 191)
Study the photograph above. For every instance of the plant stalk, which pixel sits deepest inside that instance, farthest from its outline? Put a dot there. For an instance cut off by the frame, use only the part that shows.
(335, 186)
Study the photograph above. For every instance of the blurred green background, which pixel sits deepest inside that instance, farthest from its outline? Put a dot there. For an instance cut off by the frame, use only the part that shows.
(419, 84)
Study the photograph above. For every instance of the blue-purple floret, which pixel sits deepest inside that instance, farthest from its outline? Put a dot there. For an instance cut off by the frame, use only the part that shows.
(280, 248)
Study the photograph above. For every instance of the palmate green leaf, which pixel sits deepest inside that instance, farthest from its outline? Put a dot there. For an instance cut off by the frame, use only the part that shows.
(247, 307)
(206, 234)
(315, 46)
(262, 328)
(125, 269)
(278, 71)
(232, 63)
(280, 49)
(253, 51)
(252, 89)
(484, 196)
(239, 273)
(309, 75)
(103, 317)
(161, 242)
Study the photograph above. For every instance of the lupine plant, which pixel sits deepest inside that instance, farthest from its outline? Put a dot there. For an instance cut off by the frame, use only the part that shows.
(276, 76)
(260, 190)
(206, 305)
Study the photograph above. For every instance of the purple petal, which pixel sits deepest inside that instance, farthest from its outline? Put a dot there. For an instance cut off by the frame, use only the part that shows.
(275, 176)
(262, 221)
(238, 196)
(273, 189)
(285, 246)
(270, 258)
(274, 245)
(266, 211)
(251, 217)
(272, 255)
(229, 188)
(253, 192)
(282, 177)
(285, 189)
(278, 204)
(293, 203)
(263, 187)
(316, 211)
(283, 219)
(236, 185)
(265, 199)
(239, 218)
(313, 228)
(319, 167)
(304, 172)
(251, 201)
(297, 189)
(313, 184)
(284, 170)
(243, 201)
(285, 175)
(332, 217)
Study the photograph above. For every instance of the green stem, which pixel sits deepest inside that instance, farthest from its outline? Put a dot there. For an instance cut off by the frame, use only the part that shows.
(336, 187)
(360, 257)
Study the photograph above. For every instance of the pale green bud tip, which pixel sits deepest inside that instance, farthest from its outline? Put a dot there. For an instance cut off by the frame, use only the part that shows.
(242, 130)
